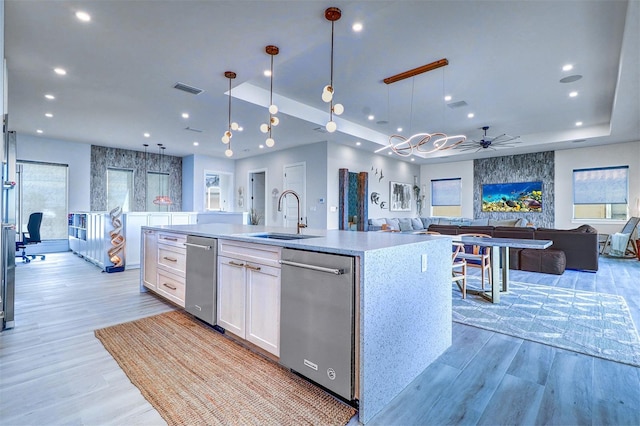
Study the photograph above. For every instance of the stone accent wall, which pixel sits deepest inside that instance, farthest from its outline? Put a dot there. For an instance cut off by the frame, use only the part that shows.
(517, 168)
(103, 158)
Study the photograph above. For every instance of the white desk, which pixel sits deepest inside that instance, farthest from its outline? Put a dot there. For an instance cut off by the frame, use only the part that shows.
(500, 252)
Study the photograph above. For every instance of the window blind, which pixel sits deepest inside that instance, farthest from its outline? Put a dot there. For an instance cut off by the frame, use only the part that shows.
(446, 192)
(605, 185)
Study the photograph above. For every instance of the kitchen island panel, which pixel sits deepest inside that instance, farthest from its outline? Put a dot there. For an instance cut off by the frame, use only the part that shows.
(405, 318)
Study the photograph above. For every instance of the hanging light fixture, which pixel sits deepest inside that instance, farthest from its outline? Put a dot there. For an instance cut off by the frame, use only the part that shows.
(161, 200)
(146, 145)
(226, 138)
(423, 143)
(332, 14)
(273, 110)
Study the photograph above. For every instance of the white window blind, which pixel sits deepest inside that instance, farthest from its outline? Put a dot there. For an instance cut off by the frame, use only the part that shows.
(446, 192)
(605, 185)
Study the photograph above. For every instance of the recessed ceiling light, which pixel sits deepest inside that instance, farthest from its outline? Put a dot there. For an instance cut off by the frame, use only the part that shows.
(578, 123)
(471, 115)
(50, 97)
(185, 115)
(60, 71)
(39, 131)
(371, 117)
(48, 115)
(413, 159)
(447, 98)
(260, 146)
(390, 152)
(146, 135)
(567, 67)
(267, 73)
(83, 16)
(399, 129)
(196, 143)
(358, 143)
(357, 27)
(573, 94)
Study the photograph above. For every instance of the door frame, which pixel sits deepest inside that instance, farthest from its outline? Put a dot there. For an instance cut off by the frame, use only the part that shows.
(249, 200)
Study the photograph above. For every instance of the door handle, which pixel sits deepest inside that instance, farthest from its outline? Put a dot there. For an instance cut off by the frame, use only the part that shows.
(253, 268)
(197, 246)
(313, 267)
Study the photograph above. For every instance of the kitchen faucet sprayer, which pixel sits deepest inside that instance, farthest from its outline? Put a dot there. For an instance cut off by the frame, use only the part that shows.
(298, 223)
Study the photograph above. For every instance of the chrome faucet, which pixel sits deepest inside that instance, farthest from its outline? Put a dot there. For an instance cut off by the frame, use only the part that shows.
(299, 224)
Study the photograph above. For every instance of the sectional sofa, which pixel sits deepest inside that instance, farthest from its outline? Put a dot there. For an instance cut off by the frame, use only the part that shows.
(580, 245)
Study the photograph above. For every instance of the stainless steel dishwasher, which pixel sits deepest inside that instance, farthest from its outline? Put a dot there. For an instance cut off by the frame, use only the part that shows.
(317, 318)
(200, 291)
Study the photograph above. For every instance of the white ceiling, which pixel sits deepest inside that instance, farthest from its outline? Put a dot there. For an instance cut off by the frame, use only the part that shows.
(505, 61)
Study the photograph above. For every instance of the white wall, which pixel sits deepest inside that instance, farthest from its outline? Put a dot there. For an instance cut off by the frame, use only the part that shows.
(624, 154)
(459, 169)
(193, 188)
(345, 157)
(315, 158)
(76, 155)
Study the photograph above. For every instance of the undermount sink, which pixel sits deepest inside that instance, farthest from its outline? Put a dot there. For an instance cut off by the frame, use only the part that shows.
(280, 236)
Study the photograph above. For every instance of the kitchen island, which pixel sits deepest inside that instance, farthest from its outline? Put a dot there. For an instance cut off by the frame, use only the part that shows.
(402, 315)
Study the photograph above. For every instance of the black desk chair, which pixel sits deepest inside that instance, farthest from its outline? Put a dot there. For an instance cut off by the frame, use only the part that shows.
(32, 236)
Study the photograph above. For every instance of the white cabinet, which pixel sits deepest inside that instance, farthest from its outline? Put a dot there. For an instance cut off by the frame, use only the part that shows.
(249, 292)
(170, 267)
(150, 256)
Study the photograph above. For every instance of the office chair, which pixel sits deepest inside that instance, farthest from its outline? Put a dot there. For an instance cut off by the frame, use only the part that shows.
(32, 236)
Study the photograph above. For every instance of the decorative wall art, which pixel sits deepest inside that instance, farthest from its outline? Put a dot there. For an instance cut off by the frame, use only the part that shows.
(399, 197)
(516, 197)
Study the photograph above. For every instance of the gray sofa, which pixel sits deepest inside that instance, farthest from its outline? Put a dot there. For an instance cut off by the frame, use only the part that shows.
(410, 225)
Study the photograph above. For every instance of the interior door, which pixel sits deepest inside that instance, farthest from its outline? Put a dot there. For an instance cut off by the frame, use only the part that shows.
(294, 179)
(257, 200)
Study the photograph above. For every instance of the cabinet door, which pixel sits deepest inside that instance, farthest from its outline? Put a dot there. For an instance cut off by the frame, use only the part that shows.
(231, 295)
(263, 307)
(150, 256)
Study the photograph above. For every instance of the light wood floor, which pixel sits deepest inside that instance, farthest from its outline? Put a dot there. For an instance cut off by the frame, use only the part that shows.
(54, 371)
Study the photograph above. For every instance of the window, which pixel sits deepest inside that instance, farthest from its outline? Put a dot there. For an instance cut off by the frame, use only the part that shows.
(119, 189)
(601, 193)
(157, 185)
(446, 195)
(43, 188)
(217, 186)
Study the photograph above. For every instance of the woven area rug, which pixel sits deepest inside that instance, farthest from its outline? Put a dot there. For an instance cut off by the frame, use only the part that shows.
(595, 324)
(194, 376)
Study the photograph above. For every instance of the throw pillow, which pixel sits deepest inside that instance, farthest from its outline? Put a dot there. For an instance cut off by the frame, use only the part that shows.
(506, 222)
(480, 222)
(586, 229)
(405, 224)
(444, 222)
(393, 224)
(426, 221)
(416, 223)
(377, 222)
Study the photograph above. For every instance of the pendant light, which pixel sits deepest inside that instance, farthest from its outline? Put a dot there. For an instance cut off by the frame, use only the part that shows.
(273, 110)
(161, 200)
(226, 138)
(332, 14)
(146, 181)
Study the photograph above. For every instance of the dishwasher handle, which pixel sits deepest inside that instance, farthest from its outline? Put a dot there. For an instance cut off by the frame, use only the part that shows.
(198, 246)
(312, 267)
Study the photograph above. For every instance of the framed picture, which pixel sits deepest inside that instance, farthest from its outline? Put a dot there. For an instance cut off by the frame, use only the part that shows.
(399, 197)
(518, 197)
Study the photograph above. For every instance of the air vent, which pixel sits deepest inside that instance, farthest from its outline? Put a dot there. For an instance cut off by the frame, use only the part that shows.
(459, 104)
(187, 88)
(191, 129)
(320, 130)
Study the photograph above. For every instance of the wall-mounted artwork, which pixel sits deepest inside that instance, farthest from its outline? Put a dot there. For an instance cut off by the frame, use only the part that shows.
(512, 197)
(399, 197)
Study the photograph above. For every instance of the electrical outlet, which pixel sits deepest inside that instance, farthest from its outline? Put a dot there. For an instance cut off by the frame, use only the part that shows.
(424, 262)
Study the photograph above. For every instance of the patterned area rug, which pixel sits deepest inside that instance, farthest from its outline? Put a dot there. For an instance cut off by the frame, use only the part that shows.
(194, 376)
(595, 324)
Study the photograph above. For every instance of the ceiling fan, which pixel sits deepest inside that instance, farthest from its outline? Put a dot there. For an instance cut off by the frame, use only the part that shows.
(502, 140)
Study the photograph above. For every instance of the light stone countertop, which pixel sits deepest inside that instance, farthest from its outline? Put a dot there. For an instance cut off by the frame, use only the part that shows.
(328, 241)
